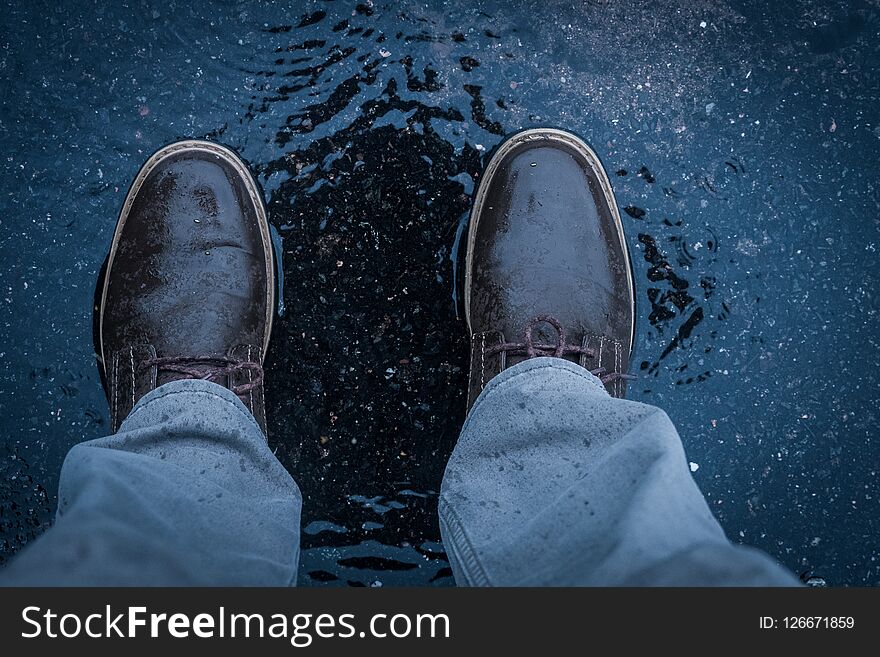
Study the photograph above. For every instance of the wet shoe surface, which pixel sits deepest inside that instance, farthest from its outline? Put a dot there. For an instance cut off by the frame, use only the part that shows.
(546, 240)
(189, 284)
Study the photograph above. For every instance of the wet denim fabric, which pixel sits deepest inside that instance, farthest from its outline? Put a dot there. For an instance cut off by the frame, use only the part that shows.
(553, 482)
(186, 493)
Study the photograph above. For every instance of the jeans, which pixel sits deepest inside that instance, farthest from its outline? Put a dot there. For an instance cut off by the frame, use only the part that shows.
(552, 482)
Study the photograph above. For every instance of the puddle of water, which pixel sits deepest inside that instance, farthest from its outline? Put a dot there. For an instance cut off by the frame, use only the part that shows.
(746, 162)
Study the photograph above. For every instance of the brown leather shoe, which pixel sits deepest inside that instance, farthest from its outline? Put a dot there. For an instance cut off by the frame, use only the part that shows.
(189, 289)
(547, 270)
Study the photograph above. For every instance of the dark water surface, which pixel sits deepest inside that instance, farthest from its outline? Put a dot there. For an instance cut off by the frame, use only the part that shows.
(745, 138)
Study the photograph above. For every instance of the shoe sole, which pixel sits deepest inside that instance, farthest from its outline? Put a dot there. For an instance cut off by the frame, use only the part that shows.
(228, 156)
(551, 135)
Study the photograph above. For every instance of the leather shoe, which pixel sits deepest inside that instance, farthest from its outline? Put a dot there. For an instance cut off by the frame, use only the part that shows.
(547, 269)
(189, 288)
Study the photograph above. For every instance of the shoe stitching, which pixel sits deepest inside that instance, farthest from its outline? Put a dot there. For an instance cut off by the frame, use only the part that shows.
(131, 356)
(471, 370)
(263, 402)
(250, 380)
(482, 361)
(114, 421)
(617, 361)
(585, 344)
(261, 399)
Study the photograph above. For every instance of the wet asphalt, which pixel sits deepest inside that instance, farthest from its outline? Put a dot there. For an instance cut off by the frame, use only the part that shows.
(742, 139)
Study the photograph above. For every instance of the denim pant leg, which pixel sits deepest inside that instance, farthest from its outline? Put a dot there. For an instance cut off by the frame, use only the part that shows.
(555, 482)
(186, 493)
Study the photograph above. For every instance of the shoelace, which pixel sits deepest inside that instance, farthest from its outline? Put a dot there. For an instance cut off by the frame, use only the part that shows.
(530, 349)
(209, 368)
